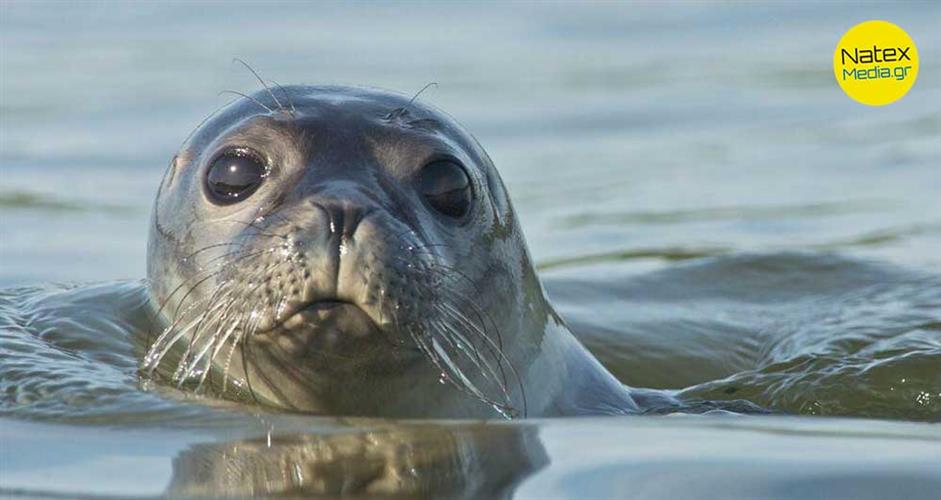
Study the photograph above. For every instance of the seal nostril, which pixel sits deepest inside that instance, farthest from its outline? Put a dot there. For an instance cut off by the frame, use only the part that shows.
(354, 217)
(336, 221)
(342, 219)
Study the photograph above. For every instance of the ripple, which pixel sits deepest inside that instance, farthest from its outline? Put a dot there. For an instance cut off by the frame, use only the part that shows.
(727, 213)
(27, 200)
(665, 254)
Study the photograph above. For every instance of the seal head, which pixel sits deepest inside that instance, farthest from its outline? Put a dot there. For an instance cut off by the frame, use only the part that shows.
(349, 251)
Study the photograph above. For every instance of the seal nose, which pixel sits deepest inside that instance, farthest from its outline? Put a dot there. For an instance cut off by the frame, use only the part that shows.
(343, 206)
(343, 218)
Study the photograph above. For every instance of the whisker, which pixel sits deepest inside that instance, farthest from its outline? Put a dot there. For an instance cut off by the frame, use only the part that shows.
(220, 269)
(219, 344)
(181, 371)
(190, 363)
(287, 96)
(160, 347)
(245, 366)
(496, 350)
(428, 85)
(151, 362)
(166, 301)
(433, 356)
(250, 98)
(464, 341)
(210, 247)
(258, 229)
(263, 84)
(214, 341)
(480, 363)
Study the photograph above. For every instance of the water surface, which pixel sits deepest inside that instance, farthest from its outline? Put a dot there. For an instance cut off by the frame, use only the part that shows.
(708, 211)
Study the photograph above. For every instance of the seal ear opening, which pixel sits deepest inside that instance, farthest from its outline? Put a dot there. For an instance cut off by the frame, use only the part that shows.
(170, 174)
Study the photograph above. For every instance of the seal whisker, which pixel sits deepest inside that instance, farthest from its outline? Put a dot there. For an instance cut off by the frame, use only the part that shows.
(160, 347)
(219, 268)
(213, 272)
(245, 365)
(220, 293)
(158, 344)
(497, 373)
(287, 96)
(262, 82)
(452, 272)
(210, 247)
(228, 359)
(250, 98)
(189, 358)
(236, 340)
(423, 89)
(495, 349)
(176, 312)
(215, 341)
(219, 345)
(449, 328)
(253, 319)
(177, 319)
(455, 313)
(258, 229)
(456, 378)
(456, 369)
(461, 342)
(402, 111)
(463, 383)
(219, 324)
(487, 370)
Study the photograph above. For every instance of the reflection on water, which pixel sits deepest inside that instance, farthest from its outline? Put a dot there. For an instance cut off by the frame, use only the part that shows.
(474, 461)
(645, 458)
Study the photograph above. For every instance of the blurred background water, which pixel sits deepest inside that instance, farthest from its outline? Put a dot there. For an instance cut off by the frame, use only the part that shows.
(621, 129)
(707, 208)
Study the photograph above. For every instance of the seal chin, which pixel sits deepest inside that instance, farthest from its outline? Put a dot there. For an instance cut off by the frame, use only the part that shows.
(331, 327)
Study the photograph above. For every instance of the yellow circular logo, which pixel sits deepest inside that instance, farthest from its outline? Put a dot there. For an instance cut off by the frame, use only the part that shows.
(875, 63)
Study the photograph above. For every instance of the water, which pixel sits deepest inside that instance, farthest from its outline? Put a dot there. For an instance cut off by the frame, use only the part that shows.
(708, 212)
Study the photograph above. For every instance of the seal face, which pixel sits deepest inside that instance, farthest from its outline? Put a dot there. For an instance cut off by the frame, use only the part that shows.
(349, 251)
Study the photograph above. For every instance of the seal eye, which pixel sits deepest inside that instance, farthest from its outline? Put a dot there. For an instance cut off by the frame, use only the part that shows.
(446, 187)
(234, 176)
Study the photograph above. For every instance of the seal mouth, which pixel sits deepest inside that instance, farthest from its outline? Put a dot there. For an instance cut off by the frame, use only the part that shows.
(330, 312)
(325, 305)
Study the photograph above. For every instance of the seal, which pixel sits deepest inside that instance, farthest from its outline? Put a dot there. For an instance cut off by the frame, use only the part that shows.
(351, 251)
